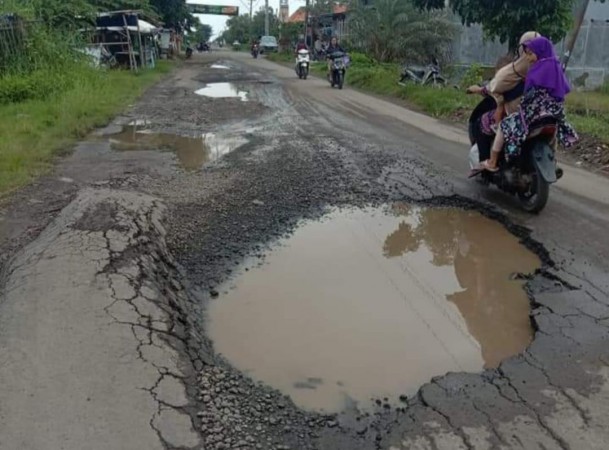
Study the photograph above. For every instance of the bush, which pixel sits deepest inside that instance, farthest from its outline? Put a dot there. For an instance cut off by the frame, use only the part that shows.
(473, 75)
(361, 59)
(40, 84)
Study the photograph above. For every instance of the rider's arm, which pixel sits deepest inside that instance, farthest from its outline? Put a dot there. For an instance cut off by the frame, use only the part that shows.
(477, 89)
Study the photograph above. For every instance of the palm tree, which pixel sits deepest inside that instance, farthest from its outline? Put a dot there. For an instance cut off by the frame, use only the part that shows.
(391, 30)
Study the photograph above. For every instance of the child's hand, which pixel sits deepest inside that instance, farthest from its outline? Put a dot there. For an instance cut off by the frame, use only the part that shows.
(475, 89)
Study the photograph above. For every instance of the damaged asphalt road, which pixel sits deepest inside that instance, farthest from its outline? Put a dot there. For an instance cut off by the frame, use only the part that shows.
(108, 265)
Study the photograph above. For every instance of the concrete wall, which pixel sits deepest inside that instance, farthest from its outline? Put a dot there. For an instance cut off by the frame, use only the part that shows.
(588, 67)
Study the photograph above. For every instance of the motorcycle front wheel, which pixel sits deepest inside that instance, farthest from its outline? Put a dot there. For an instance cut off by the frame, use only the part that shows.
(536, 198)
(437, 82)
(341, 79)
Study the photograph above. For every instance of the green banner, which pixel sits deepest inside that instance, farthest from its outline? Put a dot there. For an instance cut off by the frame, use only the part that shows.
(214, 9)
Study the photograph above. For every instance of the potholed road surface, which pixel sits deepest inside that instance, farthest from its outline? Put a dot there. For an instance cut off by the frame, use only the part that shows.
(247, 260)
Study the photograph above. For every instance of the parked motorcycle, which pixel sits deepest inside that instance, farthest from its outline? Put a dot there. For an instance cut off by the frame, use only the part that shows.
(255, 51)
(303, 61)
(429, 75)
(319, 55)
(528, 175)
(338, 68)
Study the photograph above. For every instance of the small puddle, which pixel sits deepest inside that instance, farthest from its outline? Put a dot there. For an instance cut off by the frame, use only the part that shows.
(222, 90)
(220, 67)
(192, 152)
(374, 303)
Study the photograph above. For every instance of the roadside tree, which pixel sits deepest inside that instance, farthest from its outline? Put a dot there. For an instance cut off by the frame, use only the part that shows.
(507, 21)
(392, 30)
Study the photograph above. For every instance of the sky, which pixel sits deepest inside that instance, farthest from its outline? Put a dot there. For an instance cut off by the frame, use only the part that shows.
(218, 23)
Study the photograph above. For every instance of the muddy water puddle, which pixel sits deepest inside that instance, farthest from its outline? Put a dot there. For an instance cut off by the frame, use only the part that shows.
(222, 90)
(191, 152)
(374, 303)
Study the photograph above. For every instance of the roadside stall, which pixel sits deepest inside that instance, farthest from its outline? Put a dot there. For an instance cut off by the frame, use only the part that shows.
(129, 38)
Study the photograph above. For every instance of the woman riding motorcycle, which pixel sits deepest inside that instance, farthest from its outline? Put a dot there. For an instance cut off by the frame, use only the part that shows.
(507, 88)
(332, 48)
(545, 90)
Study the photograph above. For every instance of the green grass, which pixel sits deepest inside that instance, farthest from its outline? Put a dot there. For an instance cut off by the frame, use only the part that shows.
(33, 132)
(382, 79)
(280, 57)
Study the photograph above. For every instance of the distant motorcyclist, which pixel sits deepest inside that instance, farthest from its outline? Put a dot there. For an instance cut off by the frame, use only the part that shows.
(302, 45)
(334, 47)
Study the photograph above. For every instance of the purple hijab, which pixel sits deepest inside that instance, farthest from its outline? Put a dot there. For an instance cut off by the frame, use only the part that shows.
(547, 72)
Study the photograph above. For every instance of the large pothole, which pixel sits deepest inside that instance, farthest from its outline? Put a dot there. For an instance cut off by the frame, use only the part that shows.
(192, 152)
(374, 303)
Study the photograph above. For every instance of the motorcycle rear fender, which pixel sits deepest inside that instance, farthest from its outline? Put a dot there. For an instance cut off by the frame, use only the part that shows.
(543, 158)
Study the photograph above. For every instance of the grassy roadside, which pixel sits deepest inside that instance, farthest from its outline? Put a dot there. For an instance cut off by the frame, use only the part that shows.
(588, 111)
(34, 131)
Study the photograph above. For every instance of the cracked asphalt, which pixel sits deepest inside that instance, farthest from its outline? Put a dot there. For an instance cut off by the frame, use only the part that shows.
(108, 262)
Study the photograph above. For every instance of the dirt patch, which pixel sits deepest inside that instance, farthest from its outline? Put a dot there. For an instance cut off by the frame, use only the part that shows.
(174, 102)
(589, 152)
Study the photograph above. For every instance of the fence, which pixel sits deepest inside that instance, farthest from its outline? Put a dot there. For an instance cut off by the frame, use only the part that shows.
(12, 40)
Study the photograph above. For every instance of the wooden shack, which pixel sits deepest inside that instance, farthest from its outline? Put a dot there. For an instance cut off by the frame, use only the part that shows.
(130, 38)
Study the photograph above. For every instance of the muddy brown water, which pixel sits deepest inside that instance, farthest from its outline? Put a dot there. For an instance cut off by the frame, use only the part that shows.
(374, 303)
(191, 152)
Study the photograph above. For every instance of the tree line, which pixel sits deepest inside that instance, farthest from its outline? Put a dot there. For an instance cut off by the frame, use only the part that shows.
(390, 30)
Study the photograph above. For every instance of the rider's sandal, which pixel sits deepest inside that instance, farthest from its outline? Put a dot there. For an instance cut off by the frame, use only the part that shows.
(474, 172)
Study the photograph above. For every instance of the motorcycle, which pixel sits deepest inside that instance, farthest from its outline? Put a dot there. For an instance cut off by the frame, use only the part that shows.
(188, 52)
(302, 64)
(528, 175)
(338, 68)
(429, 75)
(255, 51)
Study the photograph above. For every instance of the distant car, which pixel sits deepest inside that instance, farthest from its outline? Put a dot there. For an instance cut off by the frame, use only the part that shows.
(268, 44)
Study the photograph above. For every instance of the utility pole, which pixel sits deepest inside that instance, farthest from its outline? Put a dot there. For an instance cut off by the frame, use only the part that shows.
(266, 17)
(251, 9)
(306, 22)
(570, 44)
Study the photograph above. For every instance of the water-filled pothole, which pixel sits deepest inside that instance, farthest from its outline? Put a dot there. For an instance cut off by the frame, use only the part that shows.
(220, 67)
(192, 152)
(374, 303)
(222, 90)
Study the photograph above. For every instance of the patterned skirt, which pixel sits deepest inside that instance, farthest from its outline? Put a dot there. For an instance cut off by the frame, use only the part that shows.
(537, 104)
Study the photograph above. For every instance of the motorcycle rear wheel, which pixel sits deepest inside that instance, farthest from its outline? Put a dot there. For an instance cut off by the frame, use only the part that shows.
(537, 197)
